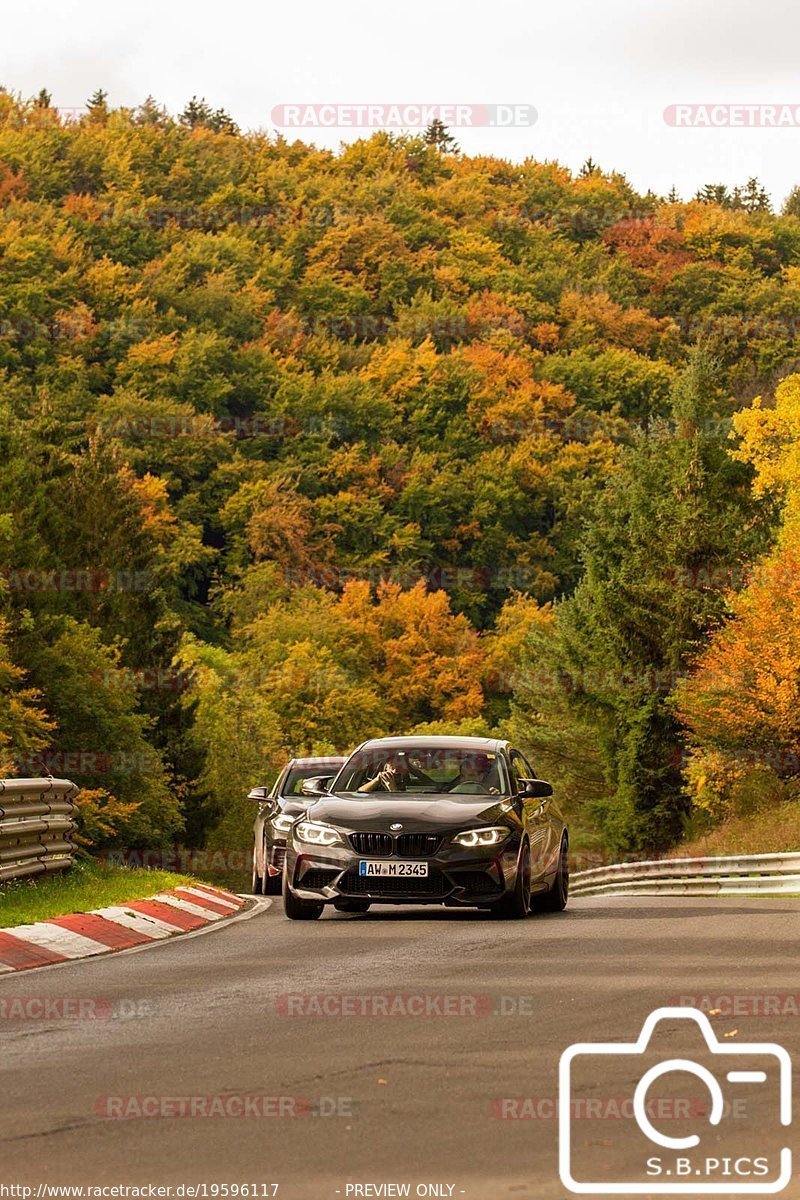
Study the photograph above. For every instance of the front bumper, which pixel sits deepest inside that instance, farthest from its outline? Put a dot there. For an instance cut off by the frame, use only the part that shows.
(456, 875)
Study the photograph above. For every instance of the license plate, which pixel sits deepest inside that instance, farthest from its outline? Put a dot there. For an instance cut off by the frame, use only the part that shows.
(395, 870)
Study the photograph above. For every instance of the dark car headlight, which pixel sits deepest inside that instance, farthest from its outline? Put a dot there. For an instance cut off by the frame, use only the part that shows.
(283, 823)
(491, 835)
(315, 834)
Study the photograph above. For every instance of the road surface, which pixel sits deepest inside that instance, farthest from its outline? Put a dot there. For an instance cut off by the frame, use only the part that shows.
(461, 1097)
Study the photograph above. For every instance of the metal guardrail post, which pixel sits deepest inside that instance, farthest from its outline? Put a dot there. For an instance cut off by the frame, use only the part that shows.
(37, 821)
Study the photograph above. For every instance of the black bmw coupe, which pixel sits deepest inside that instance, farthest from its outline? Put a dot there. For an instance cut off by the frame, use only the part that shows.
(429, 820)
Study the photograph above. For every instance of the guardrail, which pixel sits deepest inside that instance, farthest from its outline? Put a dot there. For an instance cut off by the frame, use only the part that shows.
(770, 874)
(37, 819)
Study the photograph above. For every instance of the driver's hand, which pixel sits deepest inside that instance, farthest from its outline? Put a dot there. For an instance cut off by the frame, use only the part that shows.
(388, 776)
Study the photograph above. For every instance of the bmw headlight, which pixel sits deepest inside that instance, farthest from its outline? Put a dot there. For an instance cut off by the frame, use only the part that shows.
(491, 836)
(283, 823)
(317, 835)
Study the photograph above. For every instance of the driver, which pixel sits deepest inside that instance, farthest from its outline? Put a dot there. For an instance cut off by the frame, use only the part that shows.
(477, 776)
(392, 777)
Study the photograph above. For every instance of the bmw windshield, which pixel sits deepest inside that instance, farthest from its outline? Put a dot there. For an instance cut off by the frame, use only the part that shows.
(424, 770)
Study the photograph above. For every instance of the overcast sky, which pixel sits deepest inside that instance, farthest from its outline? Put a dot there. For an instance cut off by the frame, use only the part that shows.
(599, 74)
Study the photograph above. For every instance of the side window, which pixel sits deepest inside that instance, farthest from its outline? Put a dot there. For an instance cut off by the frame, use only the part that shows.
(529, 771)
(277, 789)
(517, 771)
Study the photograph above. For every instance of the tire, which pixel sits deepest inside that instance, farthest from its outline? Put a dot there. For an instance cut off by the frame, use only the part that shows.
(272, 885)
(297, 909)
(351, 906)
(257, 887)
(518, 904)
(556, 896)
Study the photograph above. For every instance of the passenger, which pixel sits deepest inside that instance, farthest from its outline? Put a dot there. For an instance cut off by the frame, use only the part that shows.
(478, 776)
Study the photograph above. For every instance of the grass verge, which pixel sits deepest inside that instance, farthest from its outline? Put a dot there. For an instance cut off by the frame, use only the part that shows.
(86, 886)
(776, 831)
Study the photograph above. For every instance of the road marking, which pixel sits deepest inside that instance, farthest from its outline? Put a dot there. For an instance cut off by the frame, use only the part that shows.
(205, 902)
(232, 904)
(18, 955)
(187, 907)
(100, 929)
(256, 906)
(170, 913)
(217, 892)
(138, 921)
(57, 940)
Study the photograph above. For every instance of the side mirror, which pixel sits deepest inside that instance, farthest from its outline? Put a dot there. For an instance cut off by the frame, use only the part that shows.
(317, 785)
(259, 795)
(536, 789)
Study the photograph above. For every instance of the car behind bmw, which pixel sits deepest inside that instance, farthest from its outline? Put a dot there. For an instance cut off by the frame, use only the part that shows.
(277, 809)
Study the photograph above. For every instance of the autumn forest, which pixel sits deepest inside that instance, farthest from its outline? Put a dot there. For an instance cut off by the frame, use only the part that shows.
(301, 447)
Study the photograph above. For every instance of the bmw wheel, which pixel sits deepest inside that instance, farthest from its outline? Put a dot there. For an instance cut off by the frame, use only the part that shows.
(257, 887)
(272, 883)
(517, 905)
(297, 909)
(556, 896)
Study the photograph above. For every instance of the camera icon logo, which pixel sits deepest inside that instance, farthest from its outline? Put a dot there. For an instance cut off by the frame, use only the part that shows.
(708, 1154)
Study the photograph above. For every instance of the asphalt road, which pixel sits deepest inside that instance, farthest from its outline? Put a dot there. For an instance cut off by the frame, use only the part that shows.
(373, 1099)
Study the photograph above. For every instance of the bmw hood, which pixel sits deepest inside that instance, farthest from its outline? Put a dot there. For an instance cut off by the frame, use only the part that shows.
(429, 812)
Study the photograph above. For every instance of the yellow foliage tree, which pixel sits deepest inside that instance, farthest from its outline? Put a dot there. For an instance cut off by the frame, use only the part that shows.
(741, 705)
(24, 724)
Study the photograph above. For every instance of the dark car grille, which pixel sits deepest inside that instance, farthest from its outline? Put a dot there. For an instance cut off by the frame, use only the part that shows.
(478, 883)
(406, 845)
(409, 845)
(278, 855)
(380, 885)
(372, 843)
(316, 879)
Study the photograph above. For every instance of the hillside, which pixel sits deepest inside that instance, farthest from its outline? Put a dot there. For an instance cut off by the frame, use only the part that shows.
(299, 447)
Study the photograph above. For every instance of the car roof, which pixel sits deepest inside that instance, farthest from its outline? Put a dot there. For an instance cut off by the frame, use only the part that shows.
(417, 741)
(330, 761)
